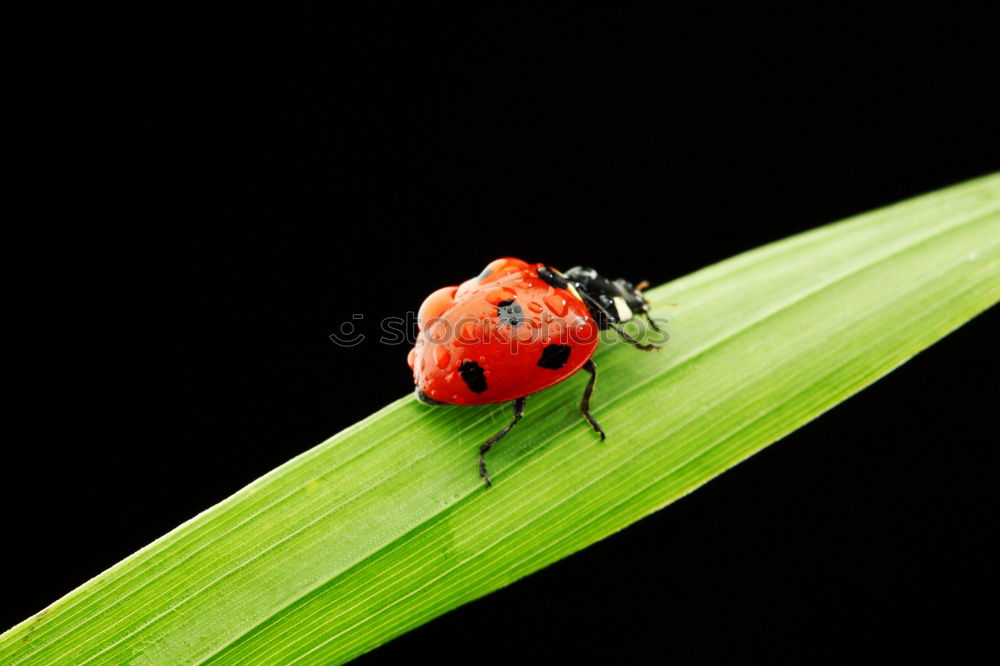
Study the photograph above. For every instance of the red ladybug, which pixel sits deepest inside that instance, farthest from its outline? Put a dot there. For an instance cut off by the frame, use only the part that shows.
(516, 329)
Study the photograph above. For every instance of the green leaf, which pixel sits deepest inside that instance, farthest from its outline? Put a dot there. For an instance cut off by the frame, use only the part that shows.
(387, 525)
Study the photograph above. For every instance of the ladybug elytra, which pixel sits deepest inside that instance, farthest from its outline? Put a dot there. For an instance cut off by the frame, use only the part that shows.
(515, 329)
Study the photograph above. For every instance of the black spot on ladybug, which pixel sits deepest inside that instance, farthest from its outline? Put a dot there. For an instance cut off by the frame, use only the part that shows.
(510, 313)
(473, 376)
(554, 357)
(485, 274)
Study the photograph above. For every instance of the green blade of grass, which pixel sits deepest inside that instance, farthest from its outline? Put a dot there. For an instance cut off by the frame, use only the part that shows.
(386, 525)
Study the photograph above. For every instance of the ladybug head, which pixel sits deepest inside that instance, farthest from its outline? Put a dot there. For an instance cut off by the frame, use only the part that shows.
(609, 301)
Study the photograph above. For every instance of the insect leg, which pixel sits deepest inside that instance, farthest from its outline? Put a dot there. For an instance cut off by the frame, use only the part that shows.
(610, 321)
(585, 403)
(632, 341)
(518, 413)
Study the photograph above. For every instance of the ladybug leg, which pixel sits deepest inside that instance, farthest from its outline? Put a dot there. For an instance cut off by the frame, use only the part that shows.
(652, 322)
(632, 341)
(488, 444)
(587, 392)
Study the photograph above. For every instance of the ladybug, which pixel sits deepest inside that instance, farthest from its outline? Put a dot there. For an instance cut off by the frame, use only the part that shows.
(515, 329)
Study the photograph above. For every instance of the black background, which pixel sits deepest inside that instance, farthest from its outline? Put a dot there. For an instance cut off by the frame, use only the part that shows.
(222, 192)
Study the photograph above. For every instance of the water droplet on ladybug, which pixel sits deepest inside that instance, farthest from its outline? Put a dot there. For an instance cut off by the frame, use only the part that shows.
(441, 356)
(535, 306)
(497, 294)
(557, 304)
(411, 357)
(468, 334)
(437, 331)
(581, 329)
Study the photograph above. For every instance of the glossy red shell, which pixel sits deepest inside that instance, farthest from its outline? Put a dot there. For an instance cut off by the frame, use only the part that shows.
(460, 325)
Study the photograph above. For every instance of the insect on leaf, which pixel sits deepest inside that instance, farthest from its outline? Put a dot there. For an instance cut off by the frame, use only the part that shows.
(386, 525)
